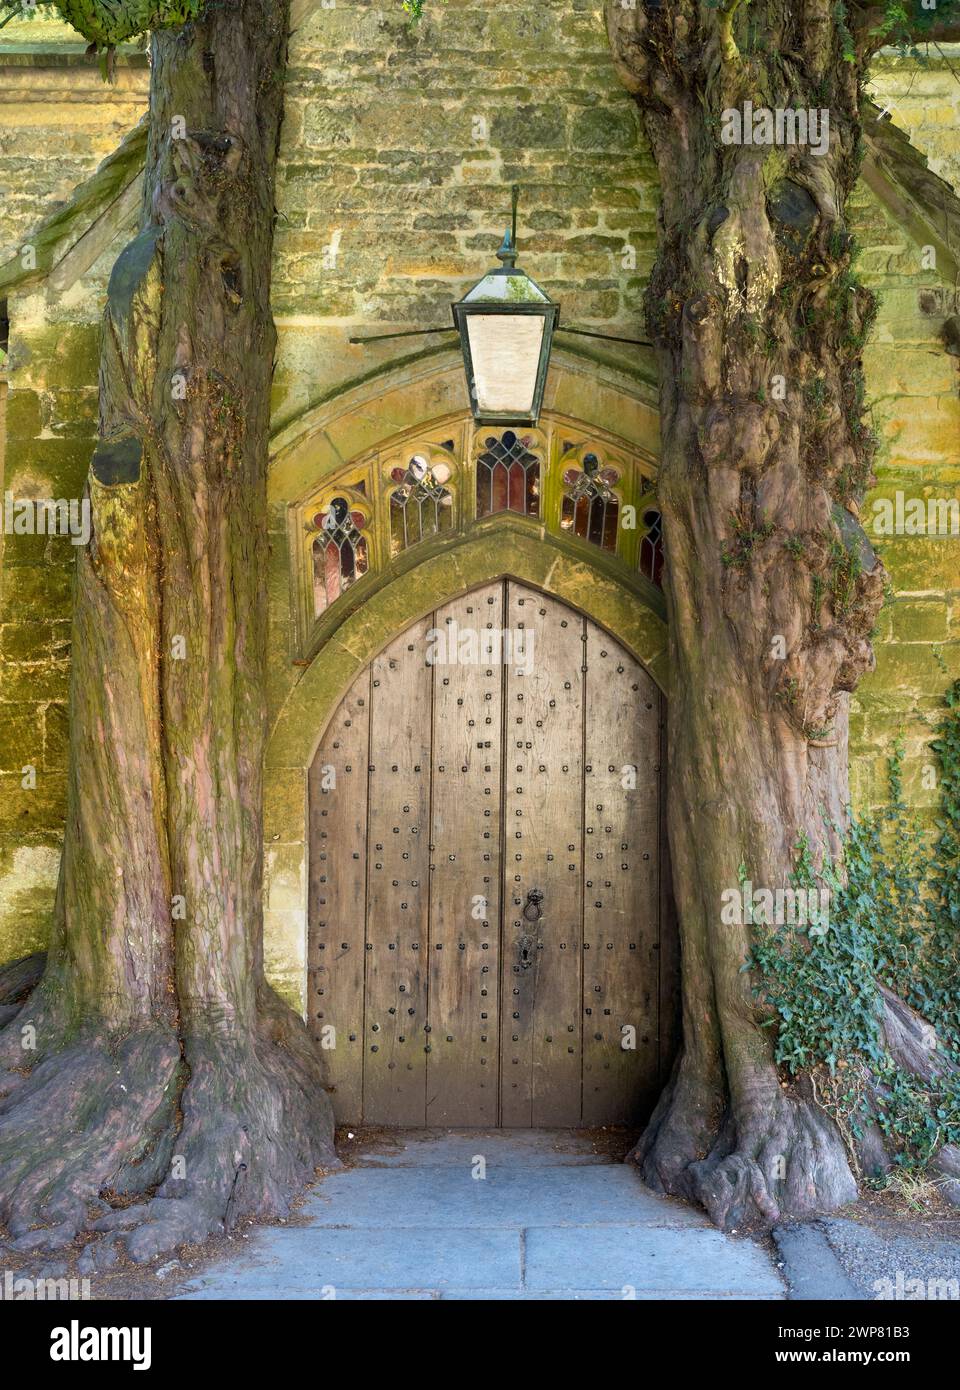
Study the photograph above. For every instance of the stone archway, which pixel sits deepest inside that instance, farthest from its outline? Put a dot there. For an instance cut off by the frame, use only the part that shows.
(543, 564)
(311, 671)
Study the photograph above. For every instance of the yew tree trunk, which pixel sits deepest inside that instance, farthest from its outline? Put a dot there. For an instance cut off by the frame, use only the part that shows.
(153, 1061)
(772, 589)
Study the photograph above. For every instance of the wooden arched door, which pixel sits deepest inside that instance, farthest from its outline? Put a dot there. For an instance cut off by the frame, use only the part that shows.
(489, 941)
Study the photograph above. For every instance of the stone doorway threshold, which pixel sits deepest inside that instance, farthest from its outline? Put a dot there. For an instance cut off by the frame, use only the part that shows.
(490, 1214)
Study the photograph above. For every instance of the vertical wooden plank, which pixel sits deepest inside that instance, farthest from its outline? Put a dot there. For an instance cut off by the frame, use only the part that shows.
(464, 985)
(621, 886)
(420, 834)
(543, 849)
(670, 1001)
(397, 878)
(337, 854)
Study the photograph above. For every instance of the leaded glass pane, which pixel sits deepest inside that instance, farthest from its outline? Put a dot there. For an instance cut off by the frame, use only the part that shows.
(421, 505)
(508, 475)
(591, 509)
(339, 552)
(651, 547)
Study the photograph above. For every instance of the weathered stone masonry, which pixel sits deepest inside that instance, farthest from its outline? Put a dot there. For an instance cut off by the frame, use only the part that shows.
(399, 148)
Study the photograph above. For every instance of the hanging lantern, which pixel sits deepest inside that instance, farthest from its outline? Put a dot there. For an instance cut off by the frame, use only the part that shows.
(506, 325)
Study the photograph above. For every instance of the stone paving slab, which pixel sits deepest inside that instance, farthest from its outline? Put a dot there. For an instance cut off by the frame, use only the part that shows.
(652, 1259)
(240, 1292)
(512, 1148)
(810, 1268)
(600, 1295)
(315, 1258)
(538, 1227)
(506, 1197)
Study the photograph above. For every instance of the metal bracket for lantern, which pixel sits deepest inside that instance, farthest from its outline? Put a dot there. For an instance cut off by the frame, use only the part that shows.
(493, 320)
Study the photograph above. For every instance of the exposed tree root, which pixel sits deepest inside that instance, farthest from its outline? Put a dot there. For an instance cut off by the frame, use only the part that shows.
(75, 1122)
(913, 1044)
(680, 1131)
(779, 1154)
(17, 981)
(773, 1156)
(208, 1130)
(782, 1158)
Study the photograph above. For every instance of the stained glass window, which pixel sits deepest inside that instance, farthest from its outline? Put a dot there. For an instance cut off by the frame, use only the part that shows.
(339, 552)
(590, 506)
(376, 508)
(651, 547)
(508, 475)
(421, 505)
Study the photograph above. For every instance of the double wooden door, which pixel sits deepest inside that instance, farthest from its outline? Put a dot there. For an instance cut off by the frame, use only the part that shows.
(485, 876)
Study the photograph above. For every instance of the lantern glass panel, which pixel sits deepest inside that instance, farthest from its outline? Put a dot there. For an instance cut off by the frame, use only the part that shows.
(505, 350)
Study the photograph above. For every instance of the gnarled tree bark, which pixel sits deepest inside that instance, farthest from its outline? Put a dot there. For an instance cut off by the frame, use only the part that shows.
(157, 1090)
(772, 587)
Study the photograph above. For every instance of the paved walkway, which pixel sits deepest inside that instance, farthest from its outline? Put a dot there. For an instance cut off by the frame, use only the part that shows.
(412, 1219)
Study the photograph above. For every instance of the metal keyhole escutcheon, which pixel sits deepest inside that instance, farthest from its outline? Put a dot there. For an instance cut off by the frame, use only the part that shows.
(532, 912)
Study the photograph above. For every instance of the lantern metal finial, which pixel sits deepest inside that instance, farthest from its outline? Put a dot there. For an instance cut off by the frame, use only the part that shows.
(508, 292)
(507, 255)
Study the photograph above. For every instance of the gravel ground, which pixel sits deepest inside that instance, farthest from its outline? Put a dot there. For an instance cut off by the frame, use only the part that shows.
(899, 1261)
(871, 1253)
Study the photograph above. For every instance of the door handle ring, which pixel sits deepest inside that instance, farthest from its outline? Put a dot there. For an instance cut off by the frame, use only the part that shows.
(532, 909)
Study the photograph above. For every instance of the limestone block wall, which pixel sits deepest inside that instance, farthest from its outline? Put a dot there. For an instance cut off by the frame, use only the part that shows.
(399, 148)
(400, 145)
(913, 391)
(923, 99)
(58, 119)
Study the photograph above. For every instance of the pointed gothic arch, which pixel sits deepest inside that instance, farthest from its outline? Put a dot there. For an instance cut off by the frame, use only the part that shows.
(315, 665)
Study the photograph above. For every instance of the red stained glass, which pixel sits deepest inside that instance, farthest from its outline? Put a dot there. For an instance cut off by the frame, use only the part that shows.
(518, 490)
(499, 493)
(508, 475)
(339, 553)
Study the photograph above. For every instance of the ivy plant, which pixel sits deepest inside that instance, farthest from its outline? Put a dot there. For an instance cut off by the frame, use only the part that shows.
(894, 921)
